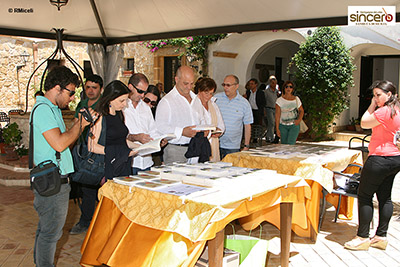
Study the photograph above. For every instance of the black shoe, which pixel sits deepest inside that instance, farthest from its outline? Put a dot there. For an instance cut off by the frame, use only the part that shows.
(78, 229)
(276, 140)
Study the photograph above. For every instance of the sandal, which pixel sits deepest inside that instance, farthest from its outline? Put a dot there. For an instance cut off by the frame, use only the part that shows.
(379, 242)
(358, 243)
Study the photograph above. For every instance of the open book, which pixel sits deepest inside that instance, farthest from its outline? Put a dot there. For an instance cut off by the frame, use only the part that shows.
(153, 146)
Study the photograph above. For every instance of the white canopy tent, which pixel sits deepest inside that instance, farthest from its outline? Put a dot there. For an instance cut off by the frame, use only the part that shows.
(110, 22)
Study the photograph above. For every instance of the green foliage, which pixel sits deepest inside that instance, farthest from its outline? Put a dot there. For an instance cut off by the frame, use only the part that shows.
(195, 48)
(21, 150)
(12, 135)
(323, 71)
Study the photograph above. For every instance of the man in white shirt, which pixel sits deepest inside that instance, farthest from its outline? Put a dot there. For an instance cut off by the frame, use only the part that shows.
(139, 120)
(175, 114)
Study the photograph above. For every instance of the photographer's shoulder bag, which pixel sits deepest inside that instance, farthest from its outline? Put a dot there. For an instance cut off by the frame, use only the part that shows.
(45, 178)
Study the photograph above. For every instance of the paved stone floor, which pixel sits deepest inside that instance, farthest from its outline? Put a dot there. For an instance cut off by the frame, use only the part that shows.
(18, 221)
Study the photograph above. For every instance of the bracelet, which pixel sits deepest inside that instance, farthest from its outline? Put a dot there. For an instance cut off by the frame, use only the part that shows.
(247, 146)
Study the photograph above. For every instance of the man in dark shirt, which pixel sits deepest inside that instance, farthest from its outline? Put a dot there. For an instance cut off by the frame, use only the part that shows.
(256, 99)
(93, 90)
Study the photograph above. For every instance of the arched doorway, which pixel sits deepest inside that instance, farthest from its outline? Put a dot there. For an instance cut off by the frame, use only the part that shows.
(272, 58)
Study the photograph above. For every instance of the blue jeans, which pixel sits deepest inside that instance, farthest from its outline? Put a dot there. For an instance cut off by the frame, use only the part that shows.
(289, 133)
(226, 151)
(135, 170)
(52, 212)
(270, 123)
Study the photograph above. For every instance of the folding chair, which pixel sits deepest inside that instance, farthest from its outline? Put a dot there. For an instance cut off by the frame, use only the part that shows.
(363, 148)
(340, 179)
(344, 185)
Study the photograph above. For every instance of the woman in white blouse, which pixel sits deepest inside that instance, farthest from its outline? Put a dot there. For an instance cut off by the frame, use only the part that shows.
(205, 89)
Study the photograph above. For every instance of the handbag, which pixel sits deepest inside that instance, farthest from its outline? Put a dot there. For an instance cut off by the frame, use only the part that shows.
(89, 167)
(253, 251)
(303, 127)
(45, 178)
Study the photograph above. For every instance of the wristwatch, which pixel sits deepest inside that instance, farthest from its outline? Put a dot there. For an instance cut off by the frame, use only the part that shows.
(247, 146)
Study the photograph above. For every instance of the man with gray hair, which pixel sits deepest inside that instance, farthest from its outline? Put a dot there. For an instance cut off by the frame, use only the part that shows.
(236, 112)
(271, 94)
(175, 114)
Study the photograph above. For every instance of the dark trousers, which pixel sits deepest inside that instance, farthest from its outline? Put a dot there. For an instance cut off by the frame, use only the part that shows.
(376, 177)
(89, 199)
(257, 116)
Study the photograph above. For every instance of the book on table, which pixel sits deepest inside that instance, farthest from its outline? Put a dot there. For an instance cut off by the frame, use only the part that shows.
(153, 146)
(126, 180)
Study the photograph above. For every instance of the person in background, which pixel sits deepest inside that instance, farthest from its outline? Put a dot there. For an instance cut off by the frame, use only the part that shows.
(160, 88)
(151, 98)
(256, 99)
(271, 94)
(139, 120)
(380, 168)
(93, 90)
(117, 148)
(175, 114)
(236, 112)
(288, 115)
(205, 88)
(50, 136)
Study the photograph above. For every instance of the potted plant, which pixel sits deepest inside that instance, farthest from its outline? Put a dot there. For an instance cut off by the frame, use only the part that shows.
(12, 138)
(22, 153)
(352, 125)
(358, 126)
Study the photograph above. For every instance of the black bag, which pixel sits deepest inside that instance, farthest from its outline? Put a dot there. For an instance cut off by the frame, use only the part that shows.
(89, 167)
(351, 186)
(46, 178)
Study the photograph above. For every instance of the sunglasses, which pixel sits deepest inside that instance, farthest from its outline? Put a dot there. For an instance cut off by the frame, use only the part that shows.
(71, 93)
(139, 90)
(147, 100)
(289, 86)
(228, 85)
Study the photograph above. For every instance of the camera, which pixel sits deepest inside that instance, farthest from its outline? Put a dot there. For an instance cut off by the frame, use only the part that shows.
(86, 114)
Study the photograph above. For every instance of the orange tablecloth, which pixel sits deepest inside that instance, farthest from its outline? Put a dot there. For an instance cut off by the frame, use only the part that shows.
(138, 227)
(317, 172)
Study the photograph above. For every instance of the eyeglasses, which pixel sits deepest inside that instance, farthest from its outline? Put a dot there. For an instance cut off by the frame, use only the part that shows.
(139, 90)
(71, 93)
(147, 100)
(289, 86)
(228, 85)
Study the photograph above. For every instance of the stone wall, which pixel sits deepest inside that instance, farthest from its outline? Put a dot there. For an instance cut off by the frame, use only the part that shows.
(23, 123)
(13, 84)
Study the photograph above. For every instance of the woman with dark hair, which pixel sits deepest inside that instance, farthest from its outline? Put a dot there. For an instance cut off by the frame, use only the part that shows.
(380, 168)
(117, 149)
(288, 115)
(151, 97)
(205, 104)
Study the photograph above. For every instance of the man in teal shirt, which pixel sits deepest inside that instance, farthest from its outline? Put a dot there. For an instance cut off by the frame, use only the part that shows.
(50, 136)
(93, 91)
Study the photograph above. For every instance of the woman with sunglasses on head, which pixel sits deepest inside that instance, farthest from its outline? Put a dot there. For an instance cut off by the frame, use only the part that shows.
(151, 98)
(381, 166)
(116, 148)
(205, 89)
(288, 115)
